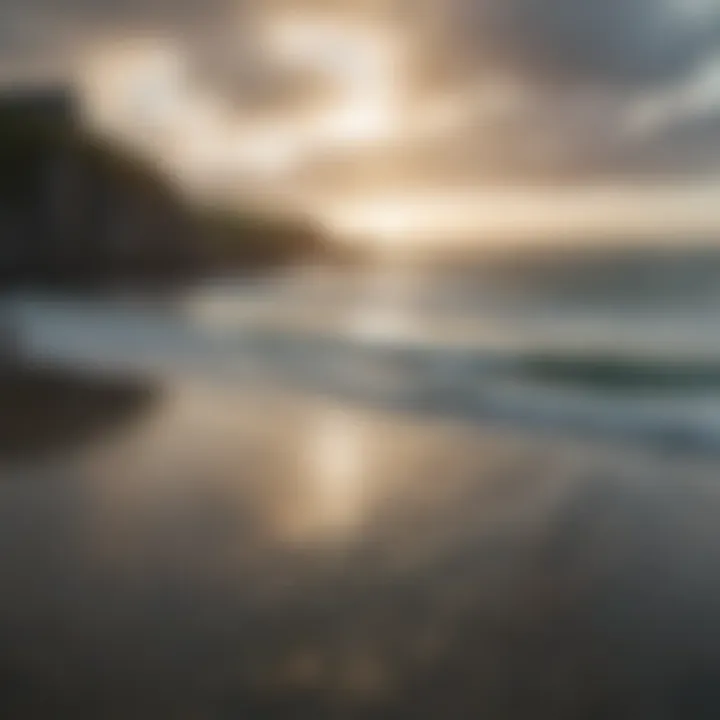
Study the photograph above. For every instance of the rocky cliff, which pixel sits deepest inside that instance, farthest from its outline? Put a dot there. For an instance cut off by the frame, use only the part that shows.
(74, 209)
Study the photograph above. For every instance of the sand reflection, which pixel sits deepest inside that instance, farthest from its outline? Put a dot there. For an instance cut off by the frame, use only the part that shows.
(335, 460)
(243, 555)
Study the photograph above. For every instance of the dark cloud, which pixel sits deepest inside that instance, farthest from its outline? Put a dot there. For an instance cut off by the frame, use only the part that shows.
(583, 64)
(600, 41)
(690, 146)
(33, 31)
(604, 42)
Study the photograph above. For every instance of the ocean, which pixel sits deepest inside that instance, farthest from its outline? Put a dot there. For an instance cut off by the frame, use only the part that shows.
(414, 341)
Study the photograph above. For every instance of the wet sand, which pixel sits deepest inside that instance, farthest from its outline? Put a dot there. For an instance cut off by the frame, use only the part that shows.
(44, 410)
(230, 553)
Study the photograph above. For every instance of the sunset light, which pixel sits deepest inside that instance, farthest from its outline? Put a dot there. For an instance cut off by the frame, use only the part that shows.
(377, 162)
(360, 359)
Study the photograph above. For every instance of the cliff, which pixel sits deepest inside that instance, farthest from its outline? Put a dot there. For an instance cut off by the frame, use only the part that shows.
(74, 209)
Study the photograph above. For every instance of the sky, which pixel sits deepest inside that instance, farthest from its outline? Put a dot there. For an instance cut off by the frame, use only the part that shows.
(450, 117)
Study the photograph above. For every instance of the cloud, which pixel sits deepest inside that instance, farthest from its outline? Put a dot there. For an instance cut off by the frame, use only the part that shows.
(621, 42)
(607, 42)
(495, 90)
(581, 74)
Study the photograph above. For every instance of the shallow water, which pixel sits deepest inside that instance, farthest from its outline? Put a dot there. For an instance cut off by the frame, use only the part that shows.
(269, 543)
(237, 554)
(415, 343)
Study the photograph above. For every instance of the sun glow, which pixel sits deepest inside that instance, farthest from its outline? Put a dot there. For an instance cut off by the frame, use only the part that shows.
(418, 220)
(388, 223)
(336, 473)
(363, 64)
